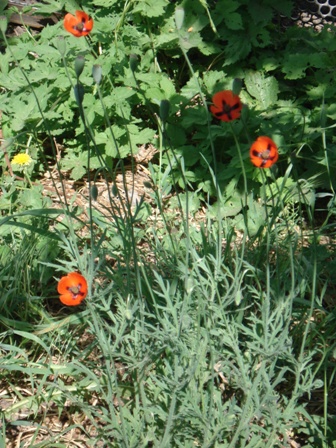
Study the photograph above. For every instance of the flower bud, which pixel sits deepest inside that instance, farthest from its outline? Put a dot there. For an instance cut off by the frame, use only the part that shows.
(3, 24)
(94, 192)
(237, 86)
(179, 17)
(61, 45)
(245, 113)
(97, 74)
(133, 62)
(164, 110)
(114, 190)
(79, 65)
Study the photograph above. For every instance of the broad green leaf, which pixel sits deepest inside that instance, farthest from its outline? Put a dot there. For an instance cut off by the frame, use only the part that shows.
(140, 136)
(105, 3)
(151, 8)
(76, 163)
(227, 12)
(118, 95)
(234, 21)
(260, 12)
(264, 90)
(167, 86)
(214, 80)
(295, 65)
(192, 87)
(190, 155)
(236, 49)
(3, 5)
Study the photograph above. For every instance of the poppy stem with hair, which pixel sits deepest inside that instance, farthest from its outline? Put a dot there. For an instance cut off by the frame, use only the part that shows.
(264, 154)
(241, 162)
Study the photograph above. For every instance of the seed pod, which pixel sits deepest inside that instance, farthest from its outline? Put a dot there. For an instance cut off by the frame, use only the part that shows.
(133, 62)
(164, 110)
(94, 192)
(79, 65)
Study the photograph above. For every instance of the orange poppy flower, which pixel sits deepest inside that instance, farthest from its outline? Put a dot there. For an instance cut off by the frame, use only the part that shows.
(79, 25)
(226, 105)
(72, 289)
(264, 152)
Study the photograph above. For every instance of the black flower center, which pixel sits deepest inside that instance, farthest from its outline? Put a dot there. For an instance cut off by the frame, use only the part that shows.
(226, 110)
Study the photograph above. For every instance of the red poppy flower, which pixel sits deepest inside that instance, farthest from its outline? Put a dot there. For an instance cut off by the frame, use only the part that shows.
(79, 25)
(264, 152)
(72, 289)
(227, 106)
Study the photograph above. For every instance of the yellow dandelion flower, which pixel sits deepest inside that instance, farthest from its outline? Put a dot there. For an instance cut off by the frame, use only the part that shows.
(22, 160)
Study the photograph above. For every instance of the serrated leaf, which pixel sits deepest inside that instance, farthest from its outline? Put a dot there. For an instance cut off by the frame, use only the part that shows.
(236, 49)
(190, 40)
(150, 79)
(120, 94)
(230, 208)
(75, 163)
(151, 8)
(50, 7)
(227, 13)
(284, 7)
(193, 117)
(155, 94)
(209, 48)
(234, 21)
(140, 137)
(166, 40)
(262, 38)
(256, 217)
(260, 12)
(213, 79)
(105, 3)
(190, 155)
(264, 90)
(191, 88)
(295, 65)
(167, 86)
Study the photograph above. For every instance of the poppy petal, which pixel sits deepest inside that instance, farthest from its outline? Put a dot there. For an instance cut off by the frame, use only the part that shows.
(72, 289)
(264, 152)
(70, 300)
(226, 105)
(79, 25)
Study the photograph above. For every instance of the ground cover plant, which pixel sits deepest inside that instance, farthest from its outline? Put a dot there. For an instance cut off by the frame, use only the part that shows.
(167, 226)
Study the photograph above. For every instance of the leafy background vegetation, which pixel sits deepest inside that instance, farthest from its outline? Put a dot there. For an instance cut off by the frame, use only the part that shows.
(210, 319)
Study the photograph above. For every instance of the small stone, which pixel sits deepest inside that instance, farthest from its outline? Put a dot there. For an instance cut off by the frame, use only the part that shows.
(305, 17)
(316, 20)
